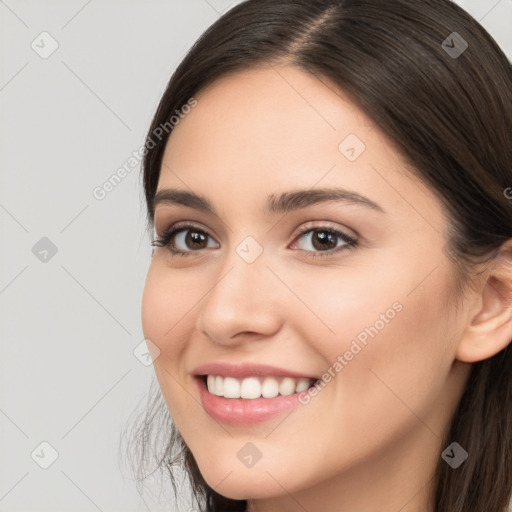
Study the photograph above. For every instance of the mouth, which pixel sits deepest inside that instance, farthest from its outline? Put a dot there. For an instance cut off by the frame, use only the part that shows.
(249, 400)
(255, 387)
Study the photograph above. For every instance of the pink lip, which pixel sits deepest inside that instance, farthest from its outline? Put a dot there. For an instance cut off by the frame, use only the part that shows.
(239, 411)
(246, 370)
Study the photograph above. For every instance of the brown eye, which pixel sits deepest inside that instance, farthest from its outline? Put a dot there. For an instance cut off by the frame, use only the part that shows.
(184, 239)
(195, 239)
(325, 241)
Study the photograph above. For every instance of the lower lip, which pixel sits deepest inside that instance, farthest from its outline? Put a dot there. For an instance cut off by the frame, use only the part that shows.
(241, 411)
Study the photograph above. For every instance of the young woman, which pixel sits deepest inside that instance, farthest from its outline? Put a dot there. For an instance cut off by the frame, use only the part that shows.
(329, 297)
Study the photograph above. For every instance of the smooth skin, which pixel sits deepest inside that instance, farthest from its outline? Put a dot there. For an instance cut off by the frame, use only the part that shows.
(371, 438)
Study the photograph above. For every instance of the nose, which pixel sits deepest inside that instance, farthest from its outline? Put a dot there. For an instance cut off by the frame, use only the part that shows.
(243, 303)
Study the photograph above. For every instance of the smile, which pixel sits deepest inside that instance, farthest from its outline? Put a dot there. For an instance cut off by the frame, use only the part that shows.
(255, 387)
(256, 408)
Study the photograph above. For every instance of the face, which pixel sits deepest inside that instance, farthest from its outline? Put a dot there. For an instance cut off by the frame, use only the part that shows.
(353, 291)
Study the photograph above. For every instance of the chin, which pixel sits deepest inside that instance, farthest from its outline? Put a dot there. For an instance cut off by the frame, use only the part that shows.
(228, 476)
(244, 485)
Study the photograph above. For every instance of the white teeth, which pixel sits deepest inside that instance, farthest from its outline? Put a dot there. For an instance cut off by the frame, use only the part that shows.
(287, 386)
(250, 388)
(231, 388)
(302, 385)
(210, 383)
(219, 386)
(254, 387)
(270, 388)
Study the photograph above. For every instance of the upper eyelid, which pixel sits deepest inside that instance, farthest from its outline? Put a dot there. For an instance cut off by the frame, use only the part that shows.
(184, 225)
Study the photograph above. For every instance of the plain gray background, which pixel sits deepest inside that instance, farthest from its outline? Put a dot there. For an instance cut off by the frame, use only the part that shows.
(70, 319)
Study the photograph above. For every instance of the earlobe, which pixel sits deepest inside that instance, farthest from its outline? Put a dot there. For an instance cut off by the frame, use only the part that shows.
(489, 330)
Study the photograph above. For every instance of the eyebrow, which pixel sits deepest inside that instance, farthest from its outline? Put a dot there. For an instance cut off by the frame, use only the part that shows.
(275, 204)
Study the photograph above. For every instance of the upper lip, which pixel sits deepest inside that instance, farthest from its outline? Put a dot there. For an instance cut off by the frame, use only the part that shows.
(247, 370)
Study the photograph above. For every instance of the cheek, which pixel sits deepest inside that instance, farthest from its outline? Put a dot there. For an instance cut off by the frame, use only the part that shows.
(166, 302)
(166, 310)
(395, 380)
(387, 349)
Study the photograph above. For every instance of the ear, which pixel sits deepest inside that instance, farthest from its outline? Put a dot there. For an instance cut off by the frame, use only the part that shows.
(490, 323)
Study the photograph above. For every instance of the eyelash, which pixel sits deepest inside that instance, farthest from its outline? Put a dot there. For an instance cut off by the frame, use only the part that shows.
(169, 233)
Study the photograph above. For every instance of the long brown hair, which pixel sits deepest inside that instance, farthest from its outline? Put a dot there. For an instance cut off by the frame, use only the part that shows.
(445, 100)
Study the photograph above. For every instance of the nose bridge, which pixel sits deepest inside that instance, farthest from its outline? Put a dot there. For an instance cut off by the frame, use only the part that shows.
(239, 298)
(243, 269)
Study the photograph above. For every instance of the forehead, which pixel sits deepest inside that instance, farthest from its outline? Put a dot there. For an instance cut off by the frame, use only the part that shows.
(264, 130)
(278, 112)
